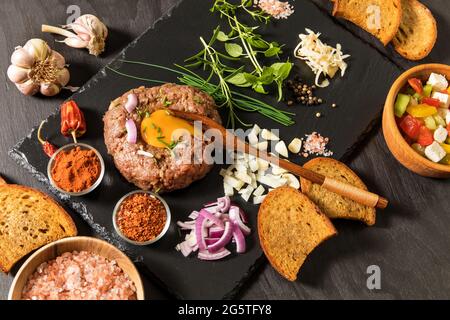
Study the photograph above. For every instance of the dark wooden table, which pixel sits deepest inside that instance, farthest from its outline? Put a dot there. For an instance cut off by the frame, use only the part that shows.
(410, 242)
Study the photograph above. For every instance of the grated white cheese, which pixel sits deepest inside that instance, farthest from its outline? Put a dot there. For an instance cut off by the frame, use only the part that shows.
(320, 57)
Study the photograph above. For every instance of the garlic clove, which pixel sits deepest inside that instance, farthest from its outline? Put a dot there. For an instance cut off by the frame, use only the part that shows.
(28, 88)
(63, 77)
(38, 49)
(17, 74)
(22, 58)
(76, 42)
(79, 29)
(58, 59)
(50, 89)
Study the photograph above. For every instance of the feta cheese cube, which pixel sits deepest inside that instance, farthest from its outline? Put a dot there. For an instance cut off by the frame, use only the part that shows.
(435, 152)
(438, 82)
(443, 98)
(440, 134)
(295, 146)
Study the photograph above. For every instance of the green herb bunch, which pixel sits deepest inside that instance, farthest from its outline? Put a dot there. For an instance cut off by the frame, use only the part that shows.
(242, 42)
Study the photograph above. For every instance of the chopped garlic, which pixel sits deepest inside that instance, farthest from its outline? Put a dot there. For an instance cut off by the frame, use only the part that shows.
(262, 146)
(320, 57)
(271, 180)
(243, 176)
(252, 138)
(235, 183)
(281, 149)
(259, 191)
(256, 130)
(259, 200)
(276, 170)
(292, 180)
(253, 164)
(269, 135)
(228, 190)
(295, 146)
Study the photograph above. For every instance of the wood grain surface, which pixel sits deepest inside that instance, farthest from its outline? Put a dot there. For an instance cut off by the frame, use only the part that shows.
(410, 242)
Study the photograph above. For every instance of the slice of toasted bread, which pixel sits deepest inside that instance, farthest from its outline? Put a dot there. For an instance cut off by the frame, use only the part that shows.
(290, 226)
(29, 219)
(332, 204)
(417, 33)
(381, 18)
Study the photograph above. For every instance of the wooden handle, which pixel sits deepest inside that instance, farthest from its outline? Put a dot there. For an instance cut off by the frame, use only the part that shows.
(232, 142)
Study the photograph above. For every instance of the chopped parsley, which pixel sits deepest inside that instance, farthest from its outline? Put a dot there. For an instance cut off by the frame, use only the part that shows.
(165, 102)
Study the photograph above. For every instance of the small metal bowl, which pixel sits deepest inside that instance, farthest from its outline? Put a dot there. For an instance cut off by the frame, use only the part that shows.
(69, 147)
(136, 243)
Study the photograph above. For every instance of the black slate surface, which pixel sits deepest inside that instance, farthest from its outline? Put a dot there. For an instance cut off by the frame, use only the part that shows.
(359, 95)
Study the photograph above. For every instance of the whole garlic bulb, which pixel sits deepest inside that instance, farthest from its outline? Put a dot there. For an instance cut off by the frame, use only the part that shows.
(35, 68)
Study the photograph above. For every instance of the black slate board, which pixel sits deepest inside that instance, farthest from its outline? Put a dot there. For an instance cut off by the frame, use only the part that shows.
(359, 95)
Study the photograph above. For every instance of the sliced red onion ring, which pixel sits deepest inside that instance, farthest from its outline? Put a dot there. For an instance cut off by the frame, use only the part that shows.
(211, 241)
(235, 216)
(215, 232)
(185, 248)
(239, 237)
(200, 227)
(186, 225)
(207, 215)
(212, 209)
(193, 215)
(224, 204)
(132, 131)
(205, 255)
(132, 102)
(224, 240)
(243, 216)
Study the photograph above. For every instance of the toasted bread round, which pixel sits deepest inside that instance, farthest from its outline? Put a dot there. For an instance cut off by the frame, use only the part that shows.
(366, 15)
(29, 219)
(417, 33)
(332, 204)
(290, 226)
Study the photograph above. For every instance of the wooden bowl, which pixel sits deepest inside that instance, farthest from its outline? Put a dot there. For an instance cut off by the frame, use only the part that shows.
(394, 139)
(57, 248)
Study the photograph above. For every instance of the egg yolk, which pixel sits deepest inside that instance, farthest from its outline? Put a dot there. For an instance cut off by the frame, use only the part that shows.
(163, 130)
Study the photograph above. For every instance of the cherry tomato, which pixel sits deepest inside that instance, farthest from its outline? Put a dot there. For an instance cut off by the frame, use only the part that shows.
(410, 126)
(431, 102)
(425, 137)
(416, 84)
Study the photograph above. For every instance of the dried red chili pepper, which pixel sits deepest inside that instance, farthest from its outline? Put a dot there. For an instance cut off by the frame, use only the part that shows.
(48, 148)
(72, 120)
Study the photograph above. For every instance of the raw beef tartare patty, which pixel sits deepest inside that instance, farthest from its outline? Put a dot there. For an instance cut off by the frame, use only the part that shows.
(149, 167)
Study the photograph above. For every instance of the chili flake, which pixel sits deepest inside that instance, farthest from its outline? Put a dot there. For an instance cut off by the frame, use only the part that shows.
(141, 217)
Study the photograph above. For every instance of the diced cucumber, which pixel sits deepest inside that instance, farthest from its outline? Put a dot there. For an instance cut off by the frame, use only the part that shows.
(427, 90)
(417, 96)
(418, 148)
(401, 103)
(439, 120)
(430, 123)
(445, 160)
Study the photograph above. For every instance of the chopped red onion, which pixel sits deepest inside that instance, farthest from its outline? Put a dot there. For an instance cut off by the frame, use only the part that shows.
(215, 232)
(186, 225)
(193, 215)
(224, 203)
(205, 255)
(199, 232)
(131, 131)
(239, 237)
(211, 217)
(132, 102)
(211, 241)
(235, 216)
(224, 240)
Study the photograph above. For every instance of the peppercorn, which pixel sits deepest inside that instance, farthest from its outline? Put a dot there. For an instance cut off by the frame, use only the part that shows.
(302, 93)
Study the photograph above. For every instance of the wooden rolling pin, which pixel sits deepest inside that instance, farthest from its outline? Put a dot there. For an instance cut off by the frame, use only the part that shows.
(234, 143)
